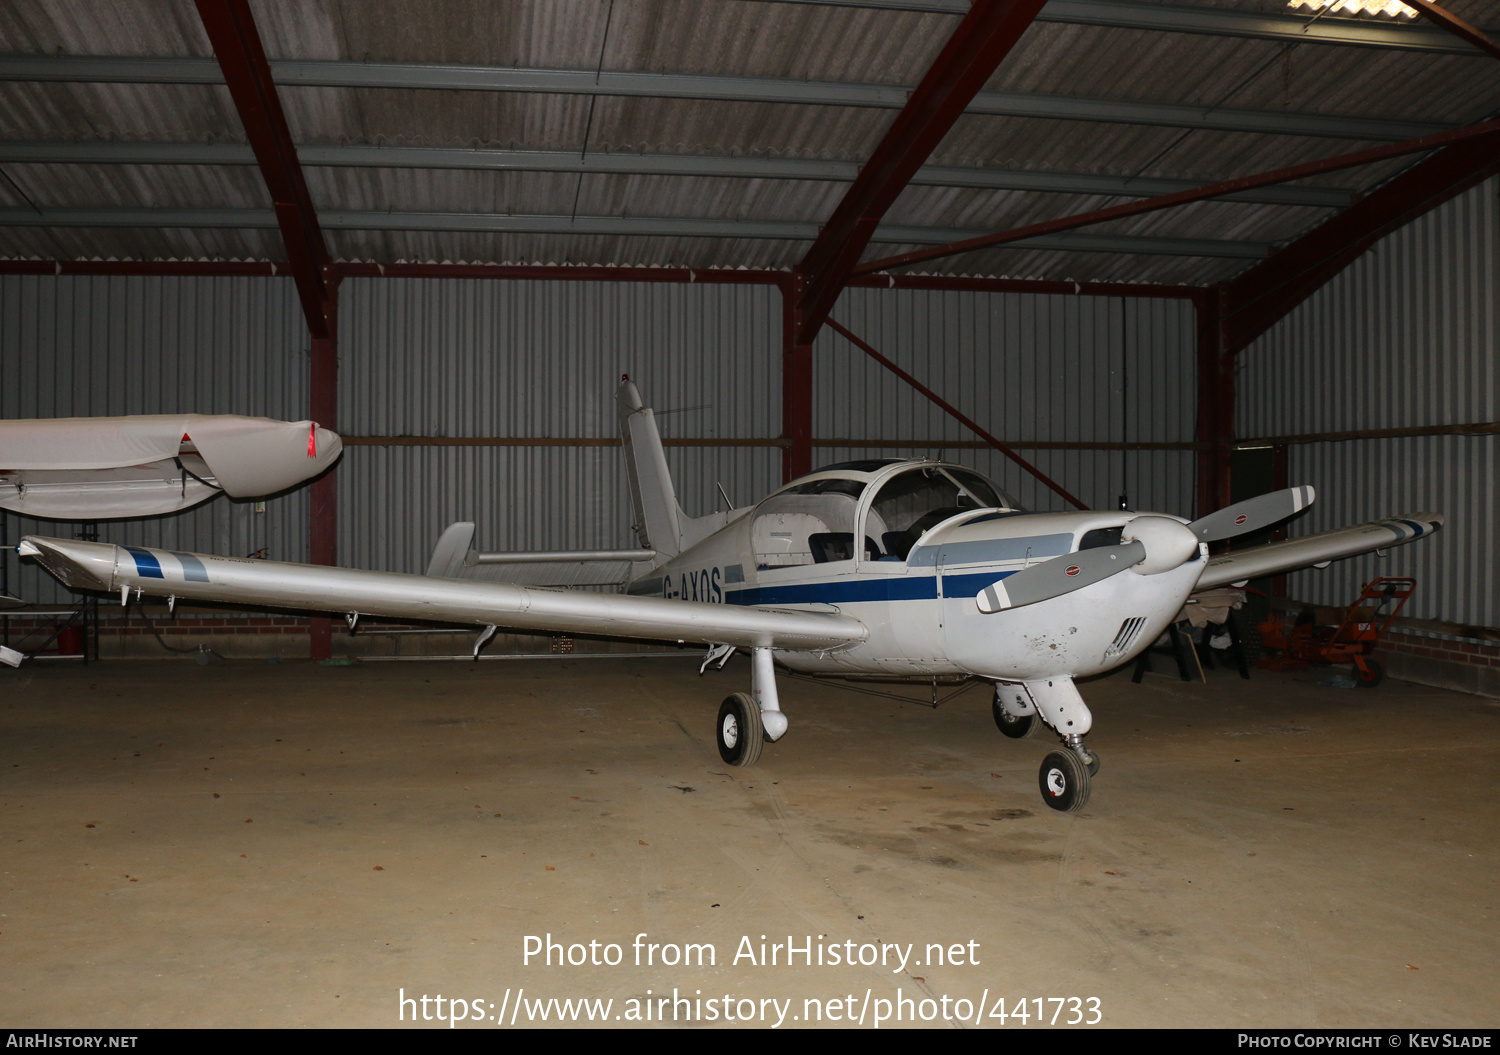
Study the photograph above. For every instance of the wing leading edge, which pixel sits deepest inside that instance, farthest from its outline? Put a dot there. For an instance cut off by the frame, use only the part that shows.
(1303, 552)
(200, 576)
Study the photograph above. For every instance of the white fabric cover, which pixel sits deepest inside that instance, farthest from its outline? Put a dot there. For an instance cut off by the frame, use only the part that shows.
(88, 468)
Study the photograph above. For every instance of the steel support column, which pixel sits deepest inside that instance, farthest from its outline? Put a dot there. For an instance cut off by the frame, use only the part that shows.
(323, 520)
(241, 56)
(1280, 480)
(796, 387)
(1215, 403)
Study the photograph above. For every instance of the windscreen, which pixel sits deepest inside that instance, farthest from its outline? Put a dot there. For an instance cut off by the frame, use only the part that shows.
(912, 502)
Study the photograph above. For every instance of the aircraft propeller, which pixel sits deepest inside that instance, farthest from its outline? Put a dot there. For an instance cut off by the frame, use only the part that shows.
(1060, 575)
(1253, 514)
(1149, 544)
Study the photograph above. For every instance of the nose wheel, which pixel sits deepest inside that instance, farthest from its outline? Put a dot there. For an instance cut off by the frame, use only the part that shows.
(1064, 780)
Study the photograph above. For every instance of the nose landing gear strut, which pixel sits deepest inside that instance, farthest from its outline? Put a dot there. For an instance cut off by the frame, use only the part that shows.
(1066, 775)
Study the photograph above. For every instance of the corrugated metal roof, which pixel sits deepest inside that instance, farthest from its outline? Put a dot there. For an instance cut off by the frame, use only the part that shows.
(785, 42)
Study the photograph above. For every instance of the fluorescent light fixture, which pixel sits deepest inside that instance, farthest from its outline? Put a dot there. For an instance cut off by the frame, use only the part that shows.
(1393, 8)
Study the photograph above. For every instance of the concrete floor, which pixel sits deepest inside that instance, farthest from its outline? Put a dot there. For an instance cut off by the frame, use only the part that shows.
(253, 844)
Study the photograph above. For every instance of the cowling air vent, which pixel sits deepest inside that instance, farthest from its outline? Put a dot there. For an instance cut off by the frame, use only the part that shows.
(1129, 631)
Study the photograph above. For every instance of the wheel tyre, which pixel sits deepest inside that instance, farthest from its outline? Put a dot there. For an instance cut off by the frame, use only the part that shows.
(1017, 727)
(1064, 781)
(740, 732)
(1370, 679)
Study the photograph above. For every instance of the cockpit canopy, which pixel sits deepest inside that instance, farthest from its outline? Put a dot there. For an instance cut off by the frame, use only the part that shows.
(813, 520)
(923, 496)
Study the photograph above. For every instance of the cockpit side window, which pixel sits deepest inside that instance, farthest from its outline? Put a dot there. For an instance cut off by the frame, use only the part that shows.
(812, 523)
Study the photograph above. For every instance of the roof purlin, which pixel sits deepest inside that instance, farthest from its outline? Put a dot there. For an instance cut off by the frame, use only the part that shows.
(1256, 300)
(1166, 201)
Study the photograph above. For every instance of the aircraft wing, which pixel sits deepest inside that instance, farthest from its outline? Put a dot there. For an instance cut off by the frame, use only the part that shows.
(306, 587)
(1278, 557)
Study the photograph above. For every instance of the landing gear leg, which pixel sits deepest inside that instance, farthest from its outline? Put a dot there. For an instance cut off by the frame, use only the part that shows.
(763, 688)
(1065, 775)
(1087, 755)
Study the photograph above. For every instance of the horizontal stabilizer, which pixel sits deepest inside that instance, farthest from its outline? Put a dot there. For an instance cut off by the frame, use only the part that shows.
(305, 587)
(454, 557)
(1278, 557)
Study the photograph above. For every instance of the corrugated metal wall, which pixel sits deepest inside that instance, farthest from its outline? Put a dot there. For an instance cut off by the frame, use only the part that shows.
(481, 358)
(97, 346)
(1408, 335)
(1026, 367)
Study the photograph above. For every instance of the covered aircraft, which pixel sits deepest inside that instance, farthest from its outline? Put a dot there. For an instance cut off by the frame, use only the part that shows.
(893, 567)
(150, 465)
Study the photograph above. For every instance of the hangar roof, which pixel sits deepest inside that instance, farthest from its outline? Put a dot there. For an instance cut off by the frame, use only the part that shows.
(709, 133)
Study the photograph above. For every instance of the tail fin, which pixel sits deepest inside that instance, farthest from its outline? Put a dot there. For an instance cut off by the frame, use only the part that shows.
(658, 517)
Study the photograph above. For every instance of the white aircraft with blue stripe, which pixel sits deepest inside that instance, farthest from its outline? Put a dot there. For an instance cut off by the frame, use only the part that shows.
(900, 568)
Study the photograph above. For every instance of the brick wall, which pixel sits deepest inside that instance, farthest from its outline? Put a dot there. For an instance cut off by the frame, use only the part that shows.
(1446, 661)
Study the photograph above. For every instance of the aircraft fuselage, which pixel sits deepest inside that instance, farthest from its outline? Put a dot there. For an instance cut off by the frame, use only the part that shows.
(795, 550)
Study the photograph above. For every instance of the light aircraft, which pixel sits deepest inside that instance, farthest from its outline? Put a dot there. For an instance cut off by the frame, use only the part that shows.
(150, 465)
(915, 568)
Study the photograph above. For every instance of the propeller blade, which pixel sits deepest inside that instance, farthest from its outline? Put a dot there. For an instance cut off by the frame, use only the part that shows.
(1060, 575)
(1253, 514)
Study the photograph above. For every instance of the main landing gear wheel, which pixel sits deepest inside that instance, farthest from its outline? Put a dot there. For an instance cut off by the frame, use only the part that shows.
(1368, 679)
(740, 732)
(1015, 726)
(1064, 781)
